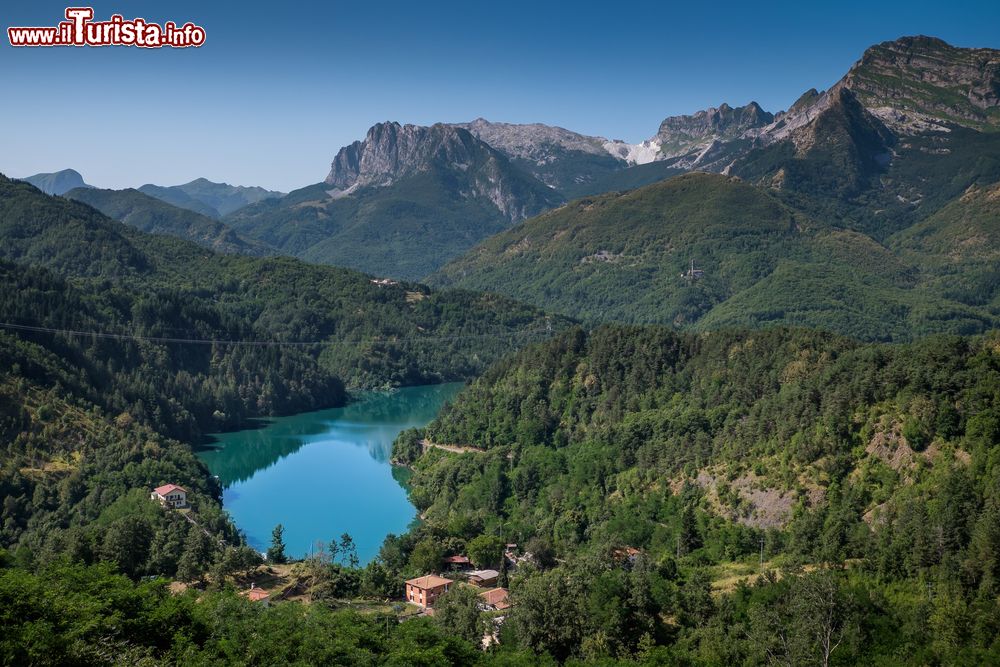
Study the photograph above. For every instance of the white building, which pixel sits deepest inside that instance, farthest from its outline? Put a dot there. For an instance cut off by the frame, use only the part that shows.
(170, 495)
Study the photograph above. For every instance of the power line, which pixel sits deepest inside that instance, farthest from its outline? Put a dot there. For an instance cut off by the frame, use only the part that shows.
(258, 343)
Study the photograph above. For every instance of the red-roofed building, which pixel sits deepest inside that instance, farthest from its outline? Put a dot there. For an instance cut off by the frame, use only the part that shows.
(457, 562)
(495, 599)
(257, 595)
(423, 591)
(170, 495)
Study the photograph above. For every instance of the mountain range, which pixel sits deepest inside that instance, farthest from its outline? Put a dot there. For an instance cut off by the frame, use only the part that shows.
(153, 215)
(864, 209)
(841, 211)
(212, 199)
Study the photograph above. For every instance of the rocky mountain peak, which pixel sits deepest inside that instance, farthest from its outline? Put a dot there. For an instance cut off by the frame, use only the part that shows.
(533, 141)
(391, 152)
(911, 81)
(682, 135)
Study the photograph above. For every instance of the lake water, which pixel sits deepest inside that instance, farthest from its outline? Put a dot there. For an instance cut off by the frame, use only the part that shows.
(324, 473)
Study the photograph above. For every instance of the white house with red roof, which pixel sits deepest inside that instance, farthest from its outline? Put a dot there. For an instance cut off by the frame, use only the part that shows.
(170, 495)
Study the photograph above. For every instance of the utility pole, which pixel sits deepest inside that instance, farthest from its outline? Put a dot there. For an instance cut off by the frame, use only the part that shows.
(762, 553)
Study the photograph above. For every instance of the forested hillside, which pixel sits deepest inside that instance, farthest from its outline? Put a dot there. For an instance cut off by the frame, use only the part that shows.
(120, 349)
(876, 464)
(760, 262)
(158, 217)
(97, 275)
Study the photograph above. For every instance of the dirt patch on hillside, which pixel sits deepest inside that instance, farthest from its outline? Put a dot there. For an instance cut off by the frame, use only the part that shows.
(757, 504)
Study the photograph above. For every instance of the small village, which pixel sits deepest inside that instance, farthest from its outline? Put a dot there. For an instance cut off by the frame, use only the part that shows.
(420, 593)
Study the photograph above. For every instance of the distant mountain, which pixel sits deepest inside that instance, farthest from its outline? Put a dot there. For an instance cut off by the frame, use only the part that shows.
(691, 136)
(905, 131)
(400, 203)
(392, 152)
(911, 126)
(911, 85)
(57, 183)
(571, 163)
(179, 198)
(627, 257)
(208, 198)
(153, 215)
(888, 179)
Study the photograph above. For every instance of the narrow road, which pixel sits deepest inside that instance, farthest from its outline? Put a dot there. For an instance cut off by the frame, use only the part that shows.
(458, 449)
(455, 449)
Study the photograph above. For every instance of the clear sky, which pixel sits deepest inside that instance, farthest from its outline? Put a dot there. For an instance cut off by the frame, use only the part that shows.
(278, 88)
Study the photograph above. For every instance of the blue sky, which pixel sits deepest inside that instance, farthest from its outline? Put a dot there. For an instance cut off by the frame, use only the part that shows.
(277, 89)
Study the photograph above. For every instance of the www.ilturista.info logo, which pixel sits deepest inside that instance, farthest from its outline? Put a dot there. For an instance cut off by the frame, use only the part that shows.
(79, 29)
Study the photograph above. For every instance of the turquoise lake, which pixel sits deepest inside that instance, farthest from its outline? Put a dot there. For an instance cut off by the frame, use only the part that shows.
(321, 474)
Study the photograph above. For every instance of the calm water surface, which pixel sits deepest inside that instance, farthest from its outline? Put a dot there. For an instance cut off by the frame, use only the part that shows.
(324, 473)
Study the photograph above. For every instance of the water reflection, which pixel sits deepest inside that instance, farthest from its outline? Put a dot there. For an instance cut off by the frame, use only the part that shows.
(326, 472)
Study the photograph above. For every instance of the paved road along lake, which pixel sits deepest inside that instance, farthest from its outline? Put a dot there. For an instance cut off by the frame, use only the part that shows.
(324, 473)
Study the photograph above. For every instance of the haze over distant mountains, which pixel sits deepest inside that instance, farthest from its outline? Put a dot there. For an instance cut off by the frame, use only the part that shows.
(212, 199)
(152, 215)
(58, 182)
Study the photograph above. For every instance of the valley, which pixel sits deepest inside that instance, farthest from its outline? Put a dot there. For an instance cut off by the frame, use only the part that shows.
(508, 394)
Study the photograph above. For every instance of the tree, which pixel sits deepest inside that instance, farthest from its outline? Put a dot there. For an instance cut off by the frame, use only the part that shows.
(689, 538)
(348, 551)
(812, 619)
(127, 544)
(696, 597)
(427, 555)
(485, 550)
(378, 582)
(276, 552)
(823, 613)
(458, 611)
(196, 557)
(546, 614)
(542, 551)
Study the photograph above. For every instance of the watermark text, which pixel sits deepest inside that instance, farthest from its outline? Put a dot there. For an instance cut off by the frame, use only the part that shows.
(80, 29)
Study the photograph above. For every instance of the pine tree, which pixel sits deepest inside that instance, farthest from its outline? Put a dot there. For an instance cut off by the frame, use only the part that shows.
(689, 537)
(276, 552)
(197, 555)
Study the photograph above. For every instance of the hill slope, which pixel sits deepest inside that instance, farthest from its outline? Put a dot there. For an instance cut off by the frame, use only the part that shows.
(632, 459)
(212, 199)
(623, 257)
(124, 280)
(153, 215)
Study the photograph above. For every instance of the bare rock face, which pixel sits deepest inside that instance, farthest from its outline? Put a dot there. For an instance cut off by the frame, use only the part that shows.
(534, 141)
(563, 160)
(682, 135)
(391, 152)
(927, 77)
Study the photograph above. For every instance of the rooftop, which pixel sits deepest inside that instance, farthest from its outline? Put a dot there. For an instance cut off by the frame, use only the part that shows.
(428, 581)
(485, 574)
(496, 597)
(168, 488)
(256, 594)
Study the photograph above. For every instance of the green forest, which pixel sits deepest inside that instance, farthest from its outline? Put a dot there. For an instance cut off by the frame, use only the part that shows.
(771, 481)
